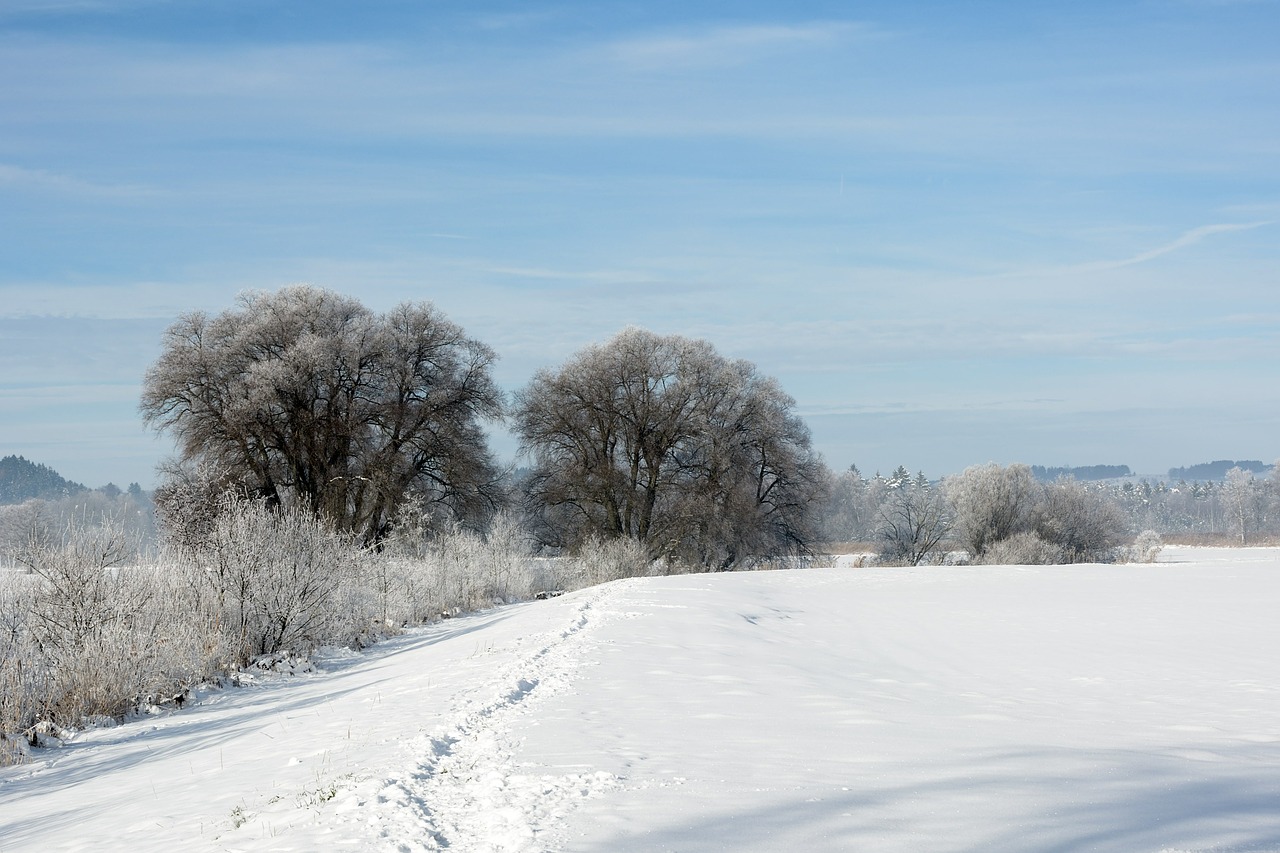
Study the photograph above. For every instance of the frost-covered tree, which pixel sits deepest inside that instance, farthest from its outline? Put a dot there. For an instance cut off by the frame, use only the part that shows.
(306, 397)
(991, 504)
(663, 440)
(850, 513)
(1242, 502)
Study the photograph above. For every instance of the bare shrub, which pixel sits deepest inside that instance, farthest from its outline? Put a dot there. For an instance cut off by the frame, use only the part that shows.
(1022, 549)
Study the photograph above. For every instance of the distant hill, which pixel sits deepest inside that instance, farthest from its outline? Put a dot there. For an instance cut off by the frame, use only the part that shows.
(1083, 472)
(22, 480)
(1217, 470)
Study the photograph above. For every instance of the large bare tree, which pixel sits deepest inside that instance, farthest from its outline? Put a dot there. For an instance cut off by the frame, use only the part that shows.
(306, 395)
(661, 439)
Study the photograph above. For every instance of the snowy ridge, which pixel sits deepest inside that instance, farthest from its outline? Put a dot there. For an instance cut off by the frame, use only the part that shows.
(465, 790)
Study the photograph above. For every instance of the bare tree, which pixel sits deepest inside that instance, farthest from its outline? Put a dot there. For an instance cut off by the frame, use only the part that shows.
(1083, 523)
(913, 520)
(661, 439)
(306, 396)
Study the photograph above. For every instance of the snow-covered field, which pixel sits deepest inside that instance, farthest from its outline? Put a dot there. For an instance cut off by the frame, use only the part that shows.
(1114, 708)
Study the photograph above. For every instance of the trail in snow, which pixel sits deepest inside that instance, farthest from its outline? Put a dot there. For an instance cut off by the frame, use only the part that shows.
(464, 789)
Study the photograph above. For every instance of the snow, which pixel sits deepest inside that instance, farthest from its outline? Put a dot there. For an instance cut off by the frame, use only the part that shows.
(1109, 708)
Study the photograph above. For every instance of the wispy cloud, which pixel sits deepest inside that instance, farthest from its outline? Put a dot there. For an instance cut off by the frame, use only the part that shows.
(1190, 238)
(1186, 240)
(726, 46)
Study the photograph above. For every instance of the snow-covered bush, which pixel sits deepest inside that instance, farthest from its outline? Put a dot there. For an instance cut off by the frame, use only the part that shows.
(991, 504)
(1083, 523)
(20, 674)
(599, 560)
(280, 579)
(1022, 549)
(420, 576)
(1005, 511)
(82, 635)
(1146, 547)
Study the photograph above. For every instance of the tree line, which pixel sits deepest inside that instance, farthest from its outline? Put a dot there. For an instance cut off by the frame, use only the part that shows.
(304, 397)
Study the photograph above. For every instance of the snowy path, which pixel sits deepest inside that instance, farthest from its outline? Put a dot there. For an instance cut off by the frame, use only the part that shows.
(406, 747)
(1107, 708)
(464, 789)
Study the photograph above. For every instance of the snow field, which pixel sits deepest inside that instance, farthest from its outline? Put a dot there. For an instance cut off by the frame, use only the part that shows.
(1055, 708)
(1111, 708)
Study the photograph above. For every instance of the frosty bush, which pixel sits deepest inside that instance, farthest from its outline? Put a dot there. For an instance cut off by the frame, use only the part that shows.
(1084, 524)
(1023, 521)
(1146, 547)
(82, 635)
(20, 676)
(599, 560)
(87, 632)
(421, 576)
(1022, 549)
(282, 580)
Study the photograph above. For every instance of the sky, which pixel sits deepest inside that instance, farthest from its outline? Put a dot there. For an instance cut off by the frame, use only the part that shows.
(956, 233)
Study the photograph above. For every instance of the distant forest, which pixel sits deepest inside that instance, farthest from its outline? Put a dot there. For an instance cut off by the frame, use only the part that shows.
(1217, 470)
(1083, 472)
(21, 480)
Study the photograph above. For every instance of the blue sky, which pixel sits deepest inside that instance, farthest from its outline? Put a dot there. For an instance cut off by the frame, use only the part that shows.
(957, 233)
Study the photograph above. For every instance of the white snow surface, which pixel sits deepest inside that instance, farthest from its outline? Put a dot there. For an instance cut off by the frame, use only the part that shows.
(1109, 708)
